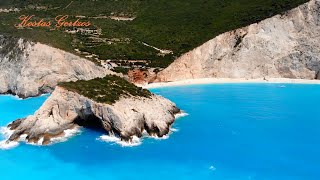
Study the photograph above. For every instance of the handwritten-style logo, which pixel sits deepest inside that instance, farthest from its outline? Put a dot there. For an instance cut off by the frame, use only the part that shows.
(59, 22)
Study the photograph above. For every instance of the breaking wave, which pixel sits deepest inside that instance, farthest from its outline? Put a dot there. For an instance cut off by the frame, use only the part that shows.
(6, 132)
(136, 141)
(68, 133)
(4, 144)
(116, 140)
(181, 114)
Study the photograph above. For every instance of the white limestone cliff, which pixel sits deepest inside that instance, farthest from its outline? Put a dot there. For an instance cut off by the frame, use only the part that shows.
(284, 46)
(30, 69)
(127, 118)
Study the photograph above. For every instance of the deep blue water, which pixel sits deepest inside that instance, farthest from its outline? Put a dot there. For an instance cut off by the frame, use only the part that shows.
(233, 131)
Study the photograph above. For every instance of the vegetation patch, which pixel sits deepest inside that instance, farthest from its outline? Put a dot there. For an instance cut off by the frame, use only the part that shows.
(121, 70)
(106, 90)
(121, 28)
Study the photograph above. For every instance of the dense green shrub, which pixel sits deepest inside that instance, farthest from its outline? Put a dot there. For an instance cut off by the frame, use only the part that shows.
(121, 70)
(106, 90)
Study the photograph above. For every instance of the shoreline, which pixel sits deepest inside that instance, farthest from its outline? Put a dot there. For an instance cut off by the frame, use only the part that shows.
(228, 81)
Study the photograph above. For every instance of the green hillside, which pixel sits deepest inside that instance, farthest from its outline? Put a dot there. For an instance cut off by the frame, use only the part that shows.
(174, 25)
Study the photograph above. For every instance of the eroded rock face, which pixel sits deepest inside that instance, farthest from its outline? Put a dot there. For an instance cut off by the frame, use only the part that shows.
(284, 46)
(128, 117)
(30, 69)
(138, 76)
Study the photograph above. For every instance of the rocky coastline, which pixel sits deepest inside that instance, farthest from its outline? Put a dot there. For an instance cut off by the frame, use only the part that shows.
(127, 118)
(30, 69)
(284, 46)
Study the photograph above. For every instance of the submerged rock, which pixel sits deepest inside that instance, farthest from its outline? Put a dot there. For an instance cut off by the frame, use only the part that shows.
(126, 118)
(284, 46)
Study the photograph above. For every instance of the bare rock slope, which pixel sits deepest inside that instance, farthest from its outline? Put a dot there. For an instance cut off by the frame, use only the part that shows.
(126, 118)
(30, 69)
(284, 46)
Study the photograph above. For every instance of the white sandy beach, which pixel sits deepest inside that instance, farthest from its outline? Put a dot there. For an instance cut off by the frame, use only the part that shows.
(229, 80)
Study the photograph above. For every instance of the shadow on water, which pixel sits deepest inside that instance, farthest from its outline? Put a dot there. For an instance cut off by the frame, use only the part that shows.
(87, 149)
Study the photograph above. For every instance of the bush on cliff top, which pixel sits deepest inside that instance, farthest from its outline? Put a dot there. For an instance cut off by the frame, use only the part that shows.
(105, 90)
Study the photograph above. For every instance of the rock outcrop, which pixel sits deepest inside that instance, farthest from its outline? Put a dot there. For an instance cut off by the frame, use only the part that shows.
(141, 76)
(284, 46)
(30, 69)
(128, 117)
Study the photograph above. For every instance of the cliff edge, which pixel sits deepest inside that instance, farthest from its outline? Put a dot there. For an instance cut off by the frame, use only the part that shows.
(284, 46)
(30, 69)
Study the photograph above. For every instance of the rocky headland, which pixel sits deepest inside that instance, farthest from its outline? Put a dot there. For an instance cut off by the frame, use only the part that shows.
(30, 69)
(284, 46)
(86, 96)
(132, 113)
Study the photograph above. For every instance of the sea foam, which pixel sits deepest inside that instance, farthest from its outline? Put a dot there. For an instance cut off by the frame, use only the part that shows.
(4, 144)
(138, 141)
(181, 114)
(116, 140)
(68, 133)
(6, 133)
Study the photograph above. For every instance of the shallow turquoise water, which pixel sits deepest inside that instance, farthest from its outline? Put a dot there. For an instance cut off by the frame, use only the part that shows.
(233, 131)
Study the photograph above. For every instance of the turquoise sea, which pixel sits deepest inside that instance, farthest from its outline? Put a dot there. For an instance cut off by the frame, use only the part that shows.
(233, 131)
